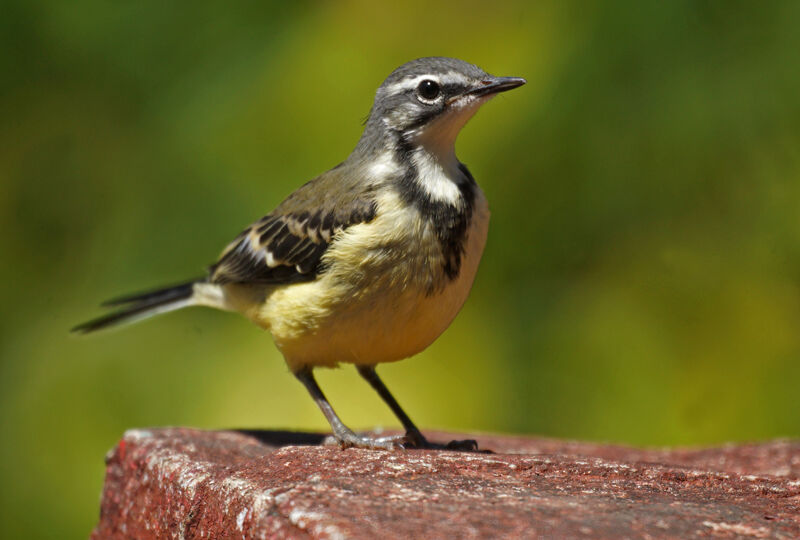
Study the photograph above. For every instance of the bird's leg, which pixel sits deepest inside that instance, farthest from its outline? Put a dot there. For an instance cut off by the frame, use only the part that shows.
(341, 432)
(414, 436)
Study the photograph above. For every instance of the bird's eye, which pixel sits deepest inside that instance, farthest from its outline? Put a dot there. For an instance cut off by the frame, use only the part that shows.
(428, 89)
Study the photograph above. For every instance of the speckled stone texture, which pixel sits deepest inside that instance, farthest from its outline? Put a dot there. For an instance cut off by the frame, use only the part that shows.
(186, 483)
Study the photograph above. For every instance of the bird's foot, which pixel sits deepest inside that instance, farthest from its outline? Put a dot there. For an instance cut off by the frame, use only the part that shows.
(412, 440)
(415, 439)
(351, 440)
(465, 445)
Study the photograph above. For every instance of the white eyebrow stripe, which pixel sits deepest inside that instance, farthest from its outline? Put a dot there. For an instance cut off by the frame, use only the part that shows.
(407, 84)
(455, 77)
(450, 77)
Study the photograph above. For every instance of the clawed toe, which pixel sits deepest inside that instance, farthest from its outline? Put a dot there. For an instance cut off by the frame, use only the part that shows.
(467, 445)
(356, 441)
(408, 441)
(415, 440)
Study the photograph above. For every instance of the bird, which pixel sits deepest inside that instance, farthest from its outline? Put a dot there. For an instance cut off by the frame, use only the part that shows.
(368, 262)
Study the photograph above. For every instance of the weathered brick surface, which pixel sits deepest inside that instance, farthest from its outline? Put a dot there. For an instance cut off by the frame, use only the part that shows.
(185, 483)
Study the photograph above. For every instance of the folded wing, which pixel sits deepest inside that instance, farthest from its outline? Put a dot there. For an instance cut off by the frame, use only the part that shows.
(287, 245)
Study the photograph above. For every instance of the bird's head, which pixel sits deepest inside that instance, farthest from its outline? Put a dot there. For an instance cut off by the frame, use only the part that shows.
(427, 101)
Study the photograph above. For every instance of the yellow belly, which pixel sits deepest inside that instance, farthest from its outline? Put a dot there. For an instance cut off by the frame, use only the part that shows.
(384, 298)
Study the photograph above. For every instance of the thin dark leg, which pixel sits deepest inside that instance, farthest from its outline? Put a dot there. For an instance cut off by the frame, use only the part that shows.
(413, 434)
(371, 376)
(341, 432)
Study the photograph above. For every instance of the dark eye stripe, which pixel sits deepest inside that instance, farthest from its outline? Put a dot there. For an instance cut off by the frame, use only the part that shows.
(454, 89)
(448, 90)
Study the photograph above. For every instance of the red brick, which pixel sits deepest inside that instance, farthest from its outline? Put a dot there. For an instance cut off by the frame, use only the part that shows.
(185, 483)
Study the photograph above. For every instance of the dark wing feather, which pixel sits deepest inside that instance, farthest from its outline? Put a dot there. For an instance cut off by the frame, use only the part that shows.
(287, 245)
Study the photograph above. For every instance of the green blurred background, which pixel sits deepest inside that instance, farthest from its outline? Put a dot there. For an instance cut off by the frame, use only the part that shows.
(640, 283)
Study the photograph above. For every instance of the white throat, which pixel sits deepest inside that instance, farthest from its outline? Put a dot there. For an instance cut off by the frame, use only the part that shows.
(435, 155)
(438, 176)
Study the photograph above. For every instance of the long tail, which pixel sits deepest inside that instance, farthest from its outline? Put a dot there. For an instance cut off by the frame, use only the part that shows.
(140, 306)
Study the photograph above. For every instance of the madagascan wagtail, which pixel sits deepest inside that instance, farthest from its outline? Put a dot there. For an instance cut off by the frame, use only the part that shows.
(370, 261)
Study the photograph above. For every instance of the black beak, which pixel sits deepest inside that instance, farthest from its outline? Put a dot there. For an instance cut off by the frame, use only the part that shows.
(495, 85)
